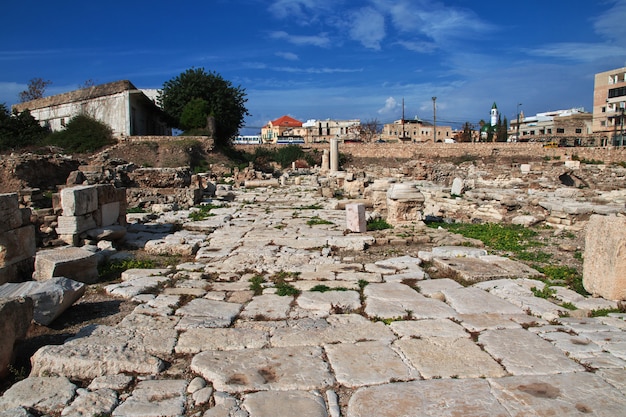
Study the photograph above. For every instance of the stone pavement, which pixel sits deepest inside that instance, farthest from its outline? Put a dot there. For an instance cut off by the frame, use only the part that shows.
(360, 338)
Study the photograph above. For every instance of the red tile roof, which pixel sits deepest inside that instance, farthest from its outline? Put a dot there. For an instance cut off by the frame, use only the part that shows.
(287, 121)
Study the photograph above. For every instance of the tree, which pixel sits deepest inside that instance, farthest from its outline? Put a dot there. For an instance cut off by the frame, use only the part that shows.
(502, 130)
(467, 133)
(19, 129)
(226, 104)
(194, 115)
(369, 130)
(36, 89)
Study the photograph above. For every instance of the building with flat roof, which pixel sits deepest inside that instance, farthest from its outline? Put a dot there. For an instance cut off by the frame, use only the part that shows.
(546, 126)
(127, 110)
(609, 104)
(414, 130)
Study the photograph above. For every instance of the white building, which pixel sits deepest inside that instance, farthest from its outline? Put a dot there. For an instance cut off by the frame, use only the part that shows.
(127, 110)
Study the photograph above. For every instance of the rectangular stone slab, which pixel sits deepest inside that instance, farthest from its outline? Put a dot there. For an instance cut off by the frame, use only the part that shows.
(281, 369)
(434, 398)
(524, 353)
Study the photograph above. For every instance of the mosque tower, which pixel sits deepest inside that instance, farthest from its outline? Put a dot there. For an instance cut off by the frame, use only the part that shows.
(494, 114)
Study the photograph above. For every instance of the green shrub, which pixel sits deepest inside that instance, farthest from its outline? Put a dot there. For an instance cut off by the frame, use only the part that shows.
(82, 134)
(317, 220)
(113, 269)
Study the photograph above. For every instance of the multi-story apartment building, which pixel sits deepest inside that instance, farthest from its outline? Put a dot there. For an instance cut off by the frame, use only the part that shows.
(324, 130)
(609, 104)
(414, 130)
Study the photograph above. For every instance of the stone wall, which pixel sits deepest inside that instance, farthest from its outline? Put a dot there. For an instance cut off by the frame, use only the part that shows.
(17, 240)
(517, 150)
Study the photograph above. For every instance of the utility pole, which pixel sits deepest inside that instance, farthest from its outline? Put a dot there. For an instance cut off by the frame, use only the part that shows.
(434, 119)
(517, 138)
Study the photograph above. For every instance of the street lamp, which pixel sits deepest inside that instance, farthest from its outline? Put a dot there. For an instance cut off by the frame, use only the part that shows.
(517, 138)
(434, 120)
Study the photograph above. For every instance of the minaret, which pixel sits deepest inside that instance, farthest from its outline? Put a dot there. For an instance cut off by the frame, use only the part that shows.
(494, 114)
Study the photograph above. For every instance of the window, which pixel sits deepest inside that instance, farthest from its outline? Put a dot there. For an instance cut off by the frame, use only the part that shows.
(579, 130)
(603, 123)
(560, 130)
(550, 131)
(603, 109)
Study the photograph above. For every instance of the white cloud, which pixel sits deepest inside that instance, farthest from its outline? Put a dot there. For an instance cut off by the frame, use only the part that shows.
(323, 70)
(610, 24)
(289, 56)
(584, 52)
(368, 27)
(320, 40)
(419, 46)
(302, 11)
(391, 105)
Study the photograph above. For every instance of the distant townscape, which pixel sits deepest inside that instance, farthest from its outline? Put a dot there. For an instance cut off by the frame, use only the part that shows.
(130, 111)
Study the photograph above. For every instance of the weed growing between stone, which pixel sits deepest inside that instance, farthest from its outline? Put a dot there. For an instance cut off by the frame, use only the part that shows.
(621, 309)
(563, 276)
(113, 269)
(378, 224)
(256, 284)
(325, 288)
(202, 212)
(317, 220)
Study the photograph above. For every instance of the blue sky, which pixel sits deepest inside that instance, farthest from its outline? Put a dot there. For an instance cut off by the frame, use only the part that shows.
(318, 59)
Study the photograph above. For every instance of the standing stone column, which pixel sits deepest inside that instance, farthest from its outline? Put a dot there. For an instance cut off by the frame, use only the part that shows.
(325, 161)
(334, 154)
(355, 218)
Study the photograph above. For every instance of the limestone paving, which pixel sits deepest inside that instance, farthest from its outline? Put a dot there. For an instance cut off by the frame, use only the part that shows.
(382, 340)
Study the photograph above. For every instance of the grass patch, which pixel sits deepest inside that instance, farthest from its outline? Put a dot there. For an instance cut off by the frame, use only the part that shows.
(310, 207)
(317, 220)
(202, 212)
(113, 269)
(136, 210)
(621, 308)
(378, 224)
(511, 238)
(284, 288)
(325, 288)
(533, 256)
(564, 276)
(546, 292)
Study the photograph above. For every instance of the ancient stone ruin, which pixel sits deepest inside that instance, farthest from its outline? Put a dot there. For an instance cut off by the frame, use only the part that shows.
(281, 299)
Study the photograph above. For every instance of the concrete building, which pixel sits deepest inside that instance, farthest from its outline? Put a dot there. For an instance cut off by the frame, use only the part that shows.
(609, 104)
(325, 130)
(554, 125)
(127, 110)
(415, 130)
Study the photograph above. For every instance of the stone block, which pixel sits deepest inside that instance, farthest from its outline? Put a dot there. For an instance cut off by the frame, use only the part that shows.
(80, 200)
(355, 218)
(108, 214)
(107, 193)
(604, 268)
(70, 225)
(17, 245)
(15, 317)
(572, 164)
(524, 168)
(74, 263)
(51, 298)
(458, 186)
(10, 216)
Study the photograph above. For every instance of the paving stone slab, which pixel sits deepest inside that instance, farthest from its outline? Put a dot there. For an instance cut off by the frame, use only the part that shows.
(538, 357)
(92, 403)
(285, 404)
(471, 269)
(156, 398)
(280, 369)
(443, 357)
(568, 394)
(435, 398)
(109, 351)
(428, 287)
(198, 340)
(479, 322)
(269, 306)
(428, 328)
(210, 313)
(471, 300)
(339, 328)
(45, 394)
(394, 300)
(329, 301)
(367, 363)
